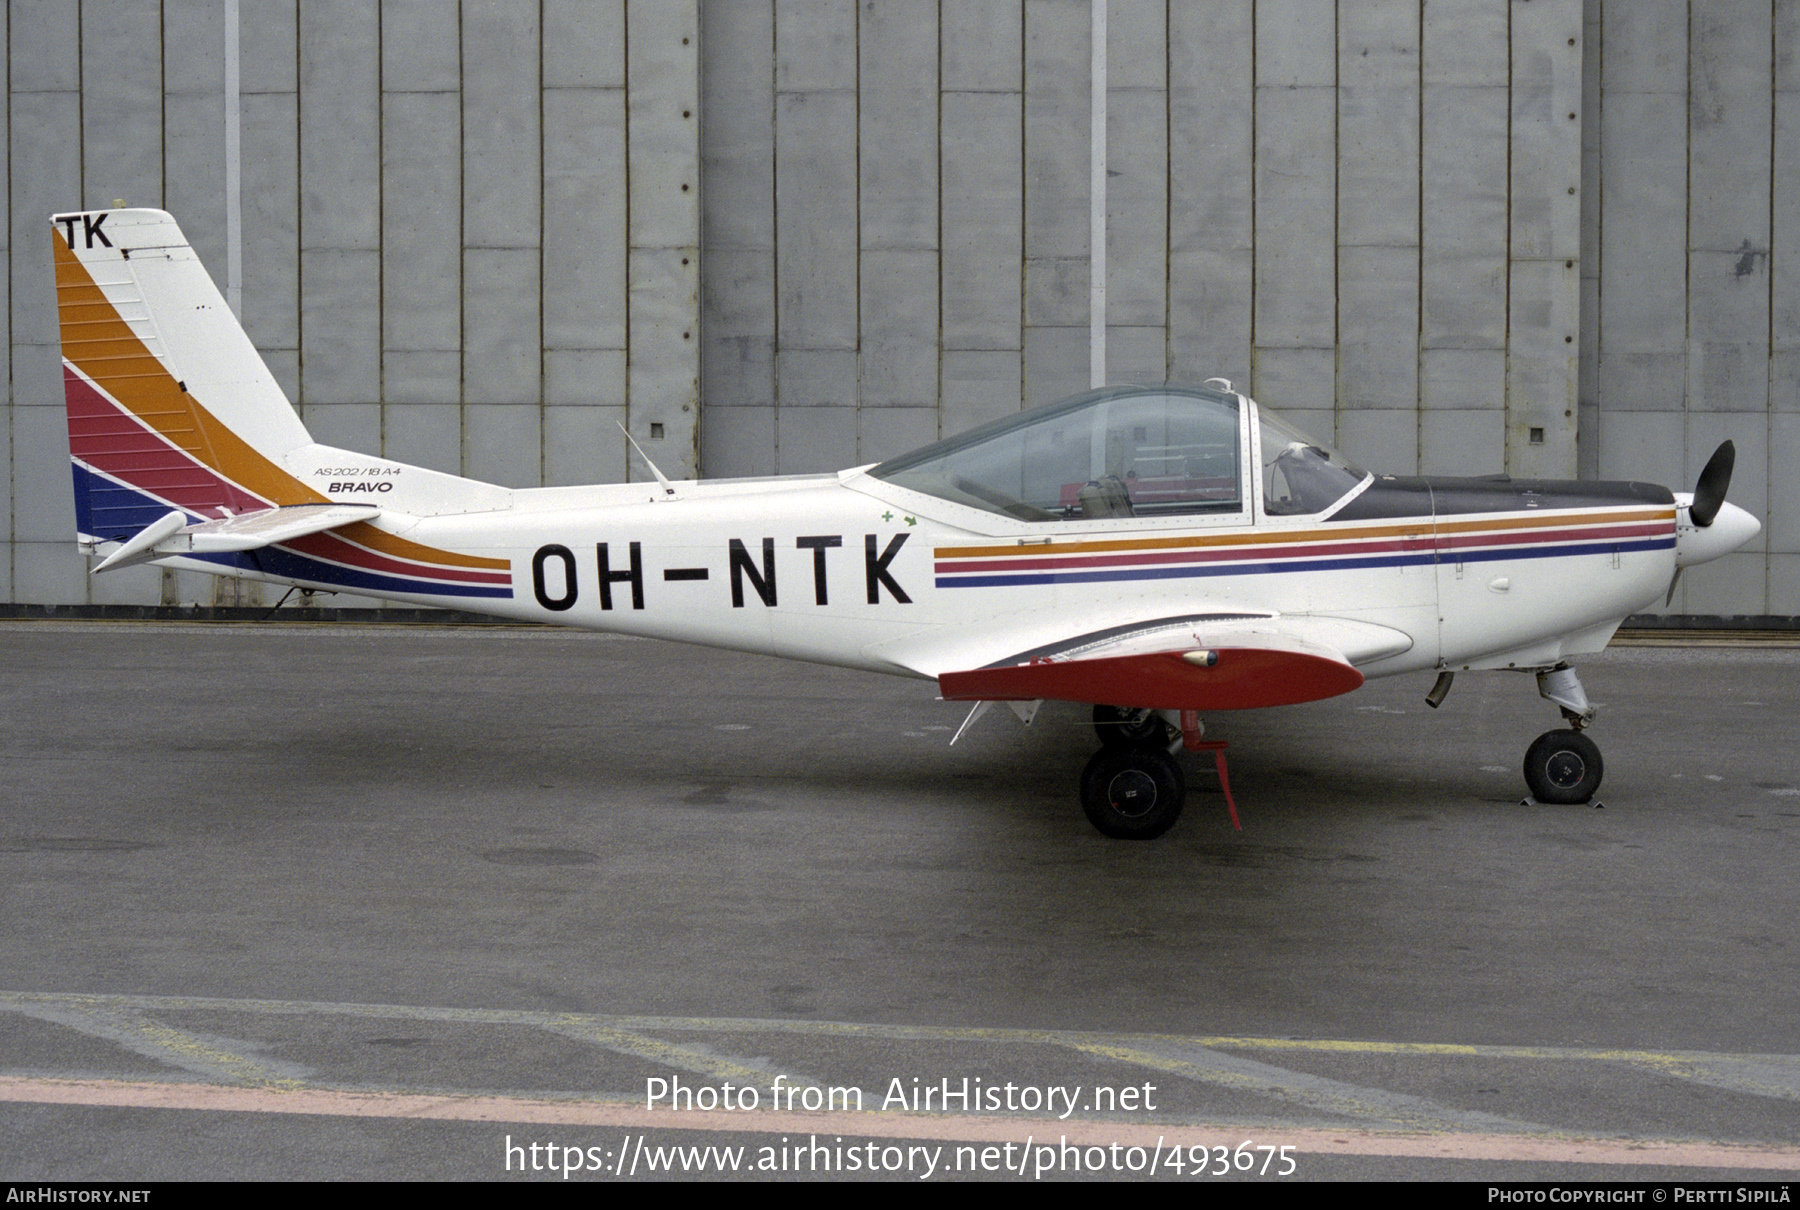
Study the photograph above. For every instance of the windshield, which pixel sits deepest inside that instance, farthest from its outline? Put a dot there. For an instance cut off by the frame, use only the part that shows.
(1301, 477)
(1116, 452)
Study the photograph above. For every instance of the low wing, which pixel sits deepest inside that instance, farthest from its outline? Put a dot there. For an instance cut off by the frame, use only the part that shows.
(172, 535)
(1198, 663)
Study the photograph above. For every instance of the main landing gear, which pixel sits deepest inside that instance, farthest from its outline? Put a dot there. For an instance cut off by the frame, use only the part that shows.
(1133, 788)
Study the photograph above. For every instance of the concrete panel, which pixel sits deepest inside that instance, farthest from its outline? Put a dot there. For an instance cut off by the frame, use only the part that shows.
(980, 209)
(1728, 357)
(43, 502)
(898, 114)
(1056, 290)
(1463, 218)
(1378, 327)
(812, 378)
(1646, 47)
(1787, 45)
(1781, 522)
(187, 42)
(421, 46)
(1541, 368)
(584, 445)
(1729, 112)
(1462, 379)
(1056, 128)
(194, 154)
(421, 262)
(738, 131)
(981, 46)
(1784, 245)
(44, 46)
(738, 329)
(1546, 129)
(422, 376)
(1056, 366)
(1734, 586)
(1209, 314)
(1137, 45)
(141, 585)
(1296, 43)
(1387, 438)
(1645, 446)
(816, 439)
(268, 40)
(49, 573)
(585, 377)
(501, 130)
(348, 426)
(584, 43)
(271, 207)
(502, 337)
(815, 138)
(44, 177)
(1378, 124)
(737, 443)
(1296, 217)
(1137, 195)
(340, 327)
(979, 387)
(340, 114)
(584, 219)
(121, 104)
(1465, 42)
(1462, 443)
(1296, 381)
(663, 123)
(503, 444)
(423, 434)
(1643, 260)
(664, 367)
(899, 359)
(885, 433)
(815, 45)
(1211, 146)
(1136, 354)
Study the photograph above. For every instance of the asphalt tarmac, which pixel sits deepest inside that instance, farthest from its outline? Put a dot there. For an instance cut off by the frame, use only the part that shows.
(481, 903)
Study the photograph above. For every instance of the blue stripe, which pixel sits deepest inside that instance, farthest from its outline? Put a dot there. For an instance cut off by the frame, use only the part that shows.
(1246, 569)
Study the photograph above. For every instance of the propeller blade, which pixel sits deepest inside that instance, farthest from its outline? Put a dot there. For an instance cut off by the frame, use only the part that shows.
(1709, 492)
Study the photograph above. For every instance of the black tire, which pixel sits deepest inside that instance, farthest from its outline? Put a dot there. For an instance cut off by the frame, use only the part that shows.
(1563, 767)
(1126, 727)
(1132, 793)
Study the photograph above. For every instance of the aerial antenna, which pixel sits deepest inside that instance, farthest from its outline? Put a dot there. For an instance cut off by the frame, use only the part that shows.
(668, 488)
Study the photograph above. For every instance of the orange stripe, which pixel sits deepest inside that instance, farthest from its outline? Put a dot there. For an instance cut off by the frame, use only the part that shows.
(1423, 527)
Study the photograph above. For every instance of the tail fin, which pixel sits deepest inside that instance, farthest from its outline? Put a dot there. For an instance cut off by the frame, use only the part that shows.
(170, 406)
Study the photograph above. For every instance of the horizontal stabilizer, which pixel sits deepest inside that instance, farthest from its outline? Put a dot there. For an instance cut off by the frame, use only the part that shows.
(1278, 673)
(169, 537)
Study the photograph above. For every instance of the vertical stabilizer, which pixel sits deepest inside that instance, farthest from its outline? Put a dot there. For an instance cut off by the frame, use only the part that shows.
(170, 406)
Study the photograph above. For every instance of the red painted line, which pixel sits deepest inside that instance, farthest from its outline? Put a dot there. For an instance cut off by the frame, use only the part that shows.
(487, 1107)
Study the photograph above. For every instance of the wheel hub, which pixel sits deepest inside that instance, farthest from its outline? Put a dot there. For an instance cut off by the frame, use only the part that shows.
(1132, 793)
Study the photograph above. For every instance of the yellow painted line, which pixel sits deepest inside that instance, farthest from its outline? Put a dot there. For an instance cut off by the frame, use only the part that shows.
(489, 1107)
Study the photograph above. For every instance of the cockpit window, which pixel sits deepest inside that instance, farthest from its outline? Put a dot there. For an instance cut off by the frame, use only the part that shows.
(1117, 452)
(1301, 477)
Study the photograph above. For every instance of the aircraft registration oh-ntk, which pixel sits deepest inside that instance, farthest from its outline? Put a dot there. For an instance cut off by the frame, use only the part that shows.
(1154, 552)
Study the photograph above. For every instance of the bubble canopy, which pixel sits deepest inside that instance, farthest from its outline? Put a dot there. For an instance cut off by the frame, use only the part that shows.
(1127, 452)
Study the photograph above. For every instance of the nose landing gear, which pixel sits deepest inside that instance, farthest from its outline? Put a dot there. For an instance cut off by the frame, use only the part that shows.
(1564, 766)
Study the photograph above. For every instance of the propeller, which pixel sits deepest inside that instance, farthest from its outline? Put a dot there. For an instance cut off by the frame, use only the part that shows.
(1709, 492)
(1703, 510)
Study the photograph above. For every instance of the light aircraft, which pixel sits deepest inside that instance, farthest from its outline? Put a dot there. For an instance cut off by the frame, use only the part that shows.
(1152, 551)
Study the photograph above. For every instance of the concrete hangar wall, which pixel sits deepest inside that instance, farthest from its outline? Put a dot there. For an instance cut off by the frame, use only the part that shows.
(1545, 237)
